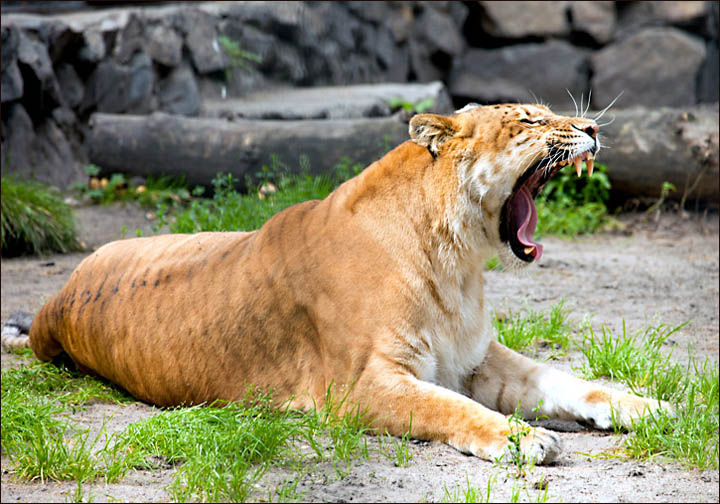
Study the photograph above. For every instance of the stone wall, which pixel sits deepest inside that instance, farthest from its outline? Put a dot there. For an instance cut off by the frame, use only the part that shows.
(57, 70)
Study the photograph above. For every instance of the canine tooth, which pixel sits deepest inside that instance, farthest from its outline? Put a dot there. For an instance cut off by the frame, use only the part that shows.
(528, 250)
(589, 164)
(578, 165)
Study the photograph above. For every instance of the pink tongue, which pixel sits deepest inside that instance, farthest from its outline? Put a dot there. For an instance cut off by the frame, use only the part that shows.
(526, 214)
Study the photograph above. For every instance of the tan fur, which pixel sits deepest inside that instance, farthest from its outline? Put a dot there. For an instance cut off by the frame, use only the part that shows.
(377, 289)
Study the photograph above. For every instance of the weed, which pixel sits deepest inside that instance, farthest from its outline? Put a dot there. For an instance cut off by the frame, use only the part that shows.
(230, 210)
(634, 359)
(518, 430)
(238, 57)
(35, 220)
(401, 455)
(691, 436)
(419, 107)
(568, 206)
(637, 360)
(154, 191)
(470, 493)
(520, 332)
(493, 264)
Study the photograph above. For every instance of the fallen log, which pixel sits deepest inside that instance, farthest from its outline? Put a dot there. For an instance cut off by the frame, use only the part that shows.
(644, 147)
(647, 147)
(200, 148)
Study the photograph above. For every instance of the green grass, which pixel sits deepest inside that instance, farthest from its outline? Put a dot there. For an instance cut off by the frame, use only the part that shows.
(230, 210)
(154, 191)
(38, 442)
(535, 330)
(35, 220)
(635, 359)
(638, 361)
(569, 206)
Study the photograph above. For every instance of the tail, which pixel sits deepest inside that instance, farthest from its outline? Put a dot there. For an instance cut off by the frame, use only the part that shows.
(15, 332)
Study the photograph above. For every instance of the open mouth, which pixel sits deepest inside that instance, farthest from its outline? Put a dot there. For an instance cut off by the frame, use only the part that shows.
(519, 215)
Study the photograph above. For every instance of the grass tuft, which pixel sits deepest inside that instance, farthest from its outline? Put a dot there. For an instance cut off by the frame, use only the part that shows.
(35, 220)
(536, 330)
(230, 210)
(569, 206)
(638, 361)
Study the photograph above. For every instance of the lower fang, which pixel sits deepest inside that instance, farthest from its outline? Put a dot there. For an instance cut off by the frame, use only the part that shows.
(528, 250)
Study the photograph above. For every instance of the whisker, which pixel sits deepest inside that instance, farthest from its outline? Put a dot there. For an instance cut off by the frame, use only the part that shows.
(609, 122)
(573, 100)
(588, 103)
(597, 117)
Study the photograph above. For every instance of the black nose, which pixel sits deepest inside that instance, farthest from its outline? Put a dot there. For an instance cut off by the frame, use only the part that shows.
(591, 130)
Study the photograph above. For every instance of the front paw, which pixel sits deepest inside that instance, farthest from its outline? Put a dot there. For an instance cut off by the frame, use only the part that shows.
(624, 409)
(536, 445)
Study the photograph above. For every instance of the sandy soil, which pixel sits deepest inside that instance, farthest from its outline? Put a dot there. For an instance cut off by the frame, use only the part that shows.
(665, 271)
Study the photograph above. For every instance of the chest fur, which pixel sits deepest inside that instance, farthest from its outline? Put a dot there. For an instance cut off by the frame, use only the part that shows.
(458, 335)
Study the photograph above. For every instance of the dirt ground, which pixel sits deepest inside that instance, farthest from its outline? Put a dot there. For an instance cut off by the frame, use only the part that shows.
(663, 271)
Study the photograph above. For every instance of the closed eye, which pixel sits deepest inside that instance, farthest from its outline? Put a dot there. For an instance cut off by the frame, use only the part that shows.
(527, 121)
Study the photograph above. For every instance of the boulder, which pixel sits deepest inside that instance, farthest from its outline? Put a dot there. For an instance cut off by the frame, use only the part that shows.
(121, 88)
(41, 153)
(70, 84)
(440, 32)
(201, 40)
(93, 49)
(520, 73)
(40, 78)
(178, 93)
(595, 19)
(11, 80)
(656, 66)
(525, 19)
(163, 44)
(656, 13)
(200, 148)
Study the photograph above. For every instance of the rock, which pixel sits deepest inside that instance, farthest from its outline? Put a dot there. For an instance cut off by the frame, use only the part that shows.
(339, 102)
(42, 89)
(595, 19)
(654, 13)
(10, 80)
(401, 24)
(400, 65)
(656, 66)
(200, 148)
(375, 12)
(708, 84)
(440, 32)
(201, 40)
(178, 93)
(514, 73)
(93, 48)
(42, 153)
(420, 62)
(130, 39)
(525, 19)
(163, 44)
(654, 145)
(70, 84)
(121, 88)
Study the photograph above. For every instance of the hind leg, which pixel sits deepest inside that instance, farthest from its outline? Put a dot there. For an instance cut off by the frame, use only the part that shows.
(506, 378)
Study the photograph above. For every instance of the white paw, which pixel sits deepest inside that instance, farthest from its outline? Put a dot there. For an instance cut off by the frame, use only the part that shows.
(625, 409)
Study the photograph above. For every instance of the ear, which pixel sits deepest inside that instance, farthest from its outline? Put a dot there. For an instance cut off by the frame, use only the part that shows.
(431, 131)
